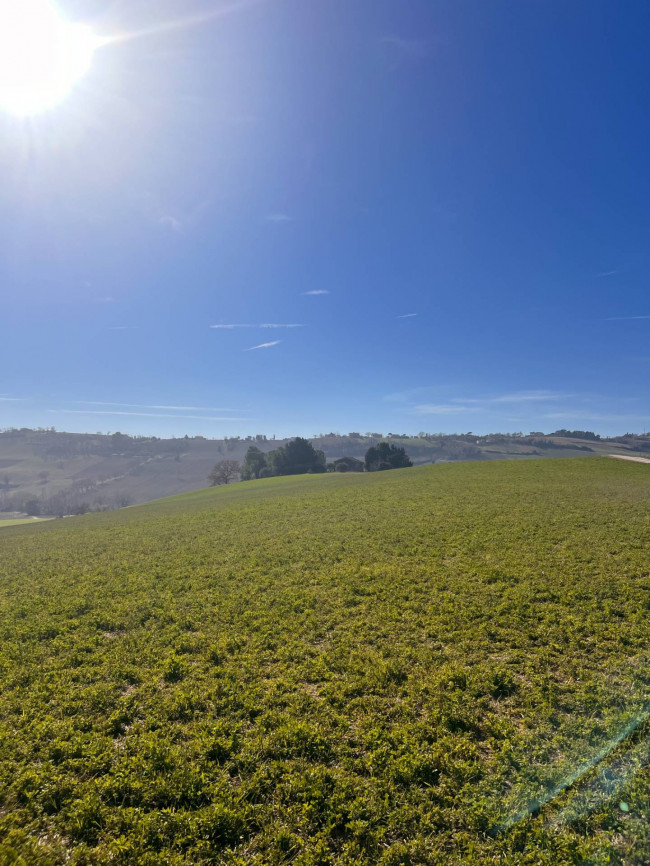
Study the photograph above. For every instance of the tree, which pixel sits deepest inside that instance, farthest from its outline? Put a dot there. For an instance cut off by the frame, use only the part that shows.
(300, 457)
(386, 456)
(321, 462)
(276, 463)
(297, 457)
(254, 462)
(223, 472)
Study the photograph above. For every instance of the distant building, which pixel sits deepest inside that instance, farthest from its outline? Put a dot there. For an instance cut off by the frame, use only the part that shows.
(348, 464)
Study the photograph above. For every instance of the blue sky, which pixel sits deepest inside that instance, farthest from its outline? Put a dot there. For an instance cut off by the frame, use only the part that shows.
(448, 202)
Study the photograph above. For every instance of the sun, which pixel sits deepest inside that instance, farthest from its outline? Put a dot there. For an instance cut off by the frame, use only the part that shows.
(42, 56)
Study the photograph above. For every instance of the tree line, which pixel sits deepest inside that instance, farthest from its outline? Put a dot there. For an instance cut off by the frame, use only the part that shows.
(299, 457)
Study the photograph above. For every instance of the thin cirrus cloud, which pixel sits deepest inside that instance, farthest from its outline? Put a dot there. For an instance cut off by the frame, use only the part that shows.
(596, 416)
(230, 327)
(442, 409)
(317, 292)
(264, 345)
(142, 414)
(514, 397)
(273, 325)
(458, 405)
(170, 222)
(625, 318)
(528, 397)
(278, 218)
(407, 316)
(154, 406)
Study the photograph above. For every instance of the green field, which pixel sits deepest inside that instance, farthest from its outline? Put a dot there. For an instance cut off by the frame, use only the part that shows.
(439, 665)
(21, 521)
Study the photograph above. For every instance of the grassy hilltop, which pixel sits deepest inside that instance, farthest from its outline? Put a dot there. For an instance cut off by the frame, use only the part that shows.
(410, 667)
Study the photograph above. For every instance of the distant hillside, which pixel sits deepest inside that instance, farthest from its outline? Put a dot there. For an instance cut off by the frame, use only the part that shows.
(49, 472)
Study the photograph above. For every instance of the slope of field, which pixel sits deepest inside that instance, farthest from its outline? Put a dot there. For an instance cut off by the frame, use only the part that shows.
(439, 665)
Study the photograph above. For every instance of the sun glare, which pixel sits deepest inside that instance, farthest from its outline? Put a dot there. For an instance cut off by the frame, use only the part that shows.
(42, 56)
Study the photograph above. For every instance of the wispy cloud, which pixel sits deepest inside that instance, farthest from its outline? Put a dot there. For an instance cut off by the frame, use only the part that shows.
(142, 414)
(625, 318)
(412, 401)
(264, 345)
(514, 397)
(154, 406)
(407, 316)
(528, 397)
(317, 292)
(607, 273)
(597, 416)
(423, 392)
(230, 327)
(278, 218)
(442, 409)
(411, 395)
(273, 325)
(5, 399)
(564, 409)
(171, 222)
(172, 217)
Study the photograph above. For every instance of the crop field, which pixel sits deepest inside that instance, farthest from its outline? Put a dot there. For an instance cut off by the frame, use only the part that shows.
(21, 521)
(438, 665)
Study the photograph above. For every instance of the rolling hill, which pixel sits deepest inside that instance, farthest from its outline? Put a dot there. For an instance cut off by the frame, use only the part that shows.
(444, 664)
(62, 471)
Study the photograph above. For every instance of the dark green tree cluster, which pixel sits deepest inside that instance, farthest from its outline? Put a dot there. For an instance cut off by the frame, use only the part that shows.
(254, 463)
(297, 457)
(577, 434)
(386, 456)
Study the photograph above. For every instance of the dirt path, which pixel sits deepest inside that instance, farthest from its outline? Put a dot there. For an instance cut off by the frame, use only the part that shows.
(632, 459)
